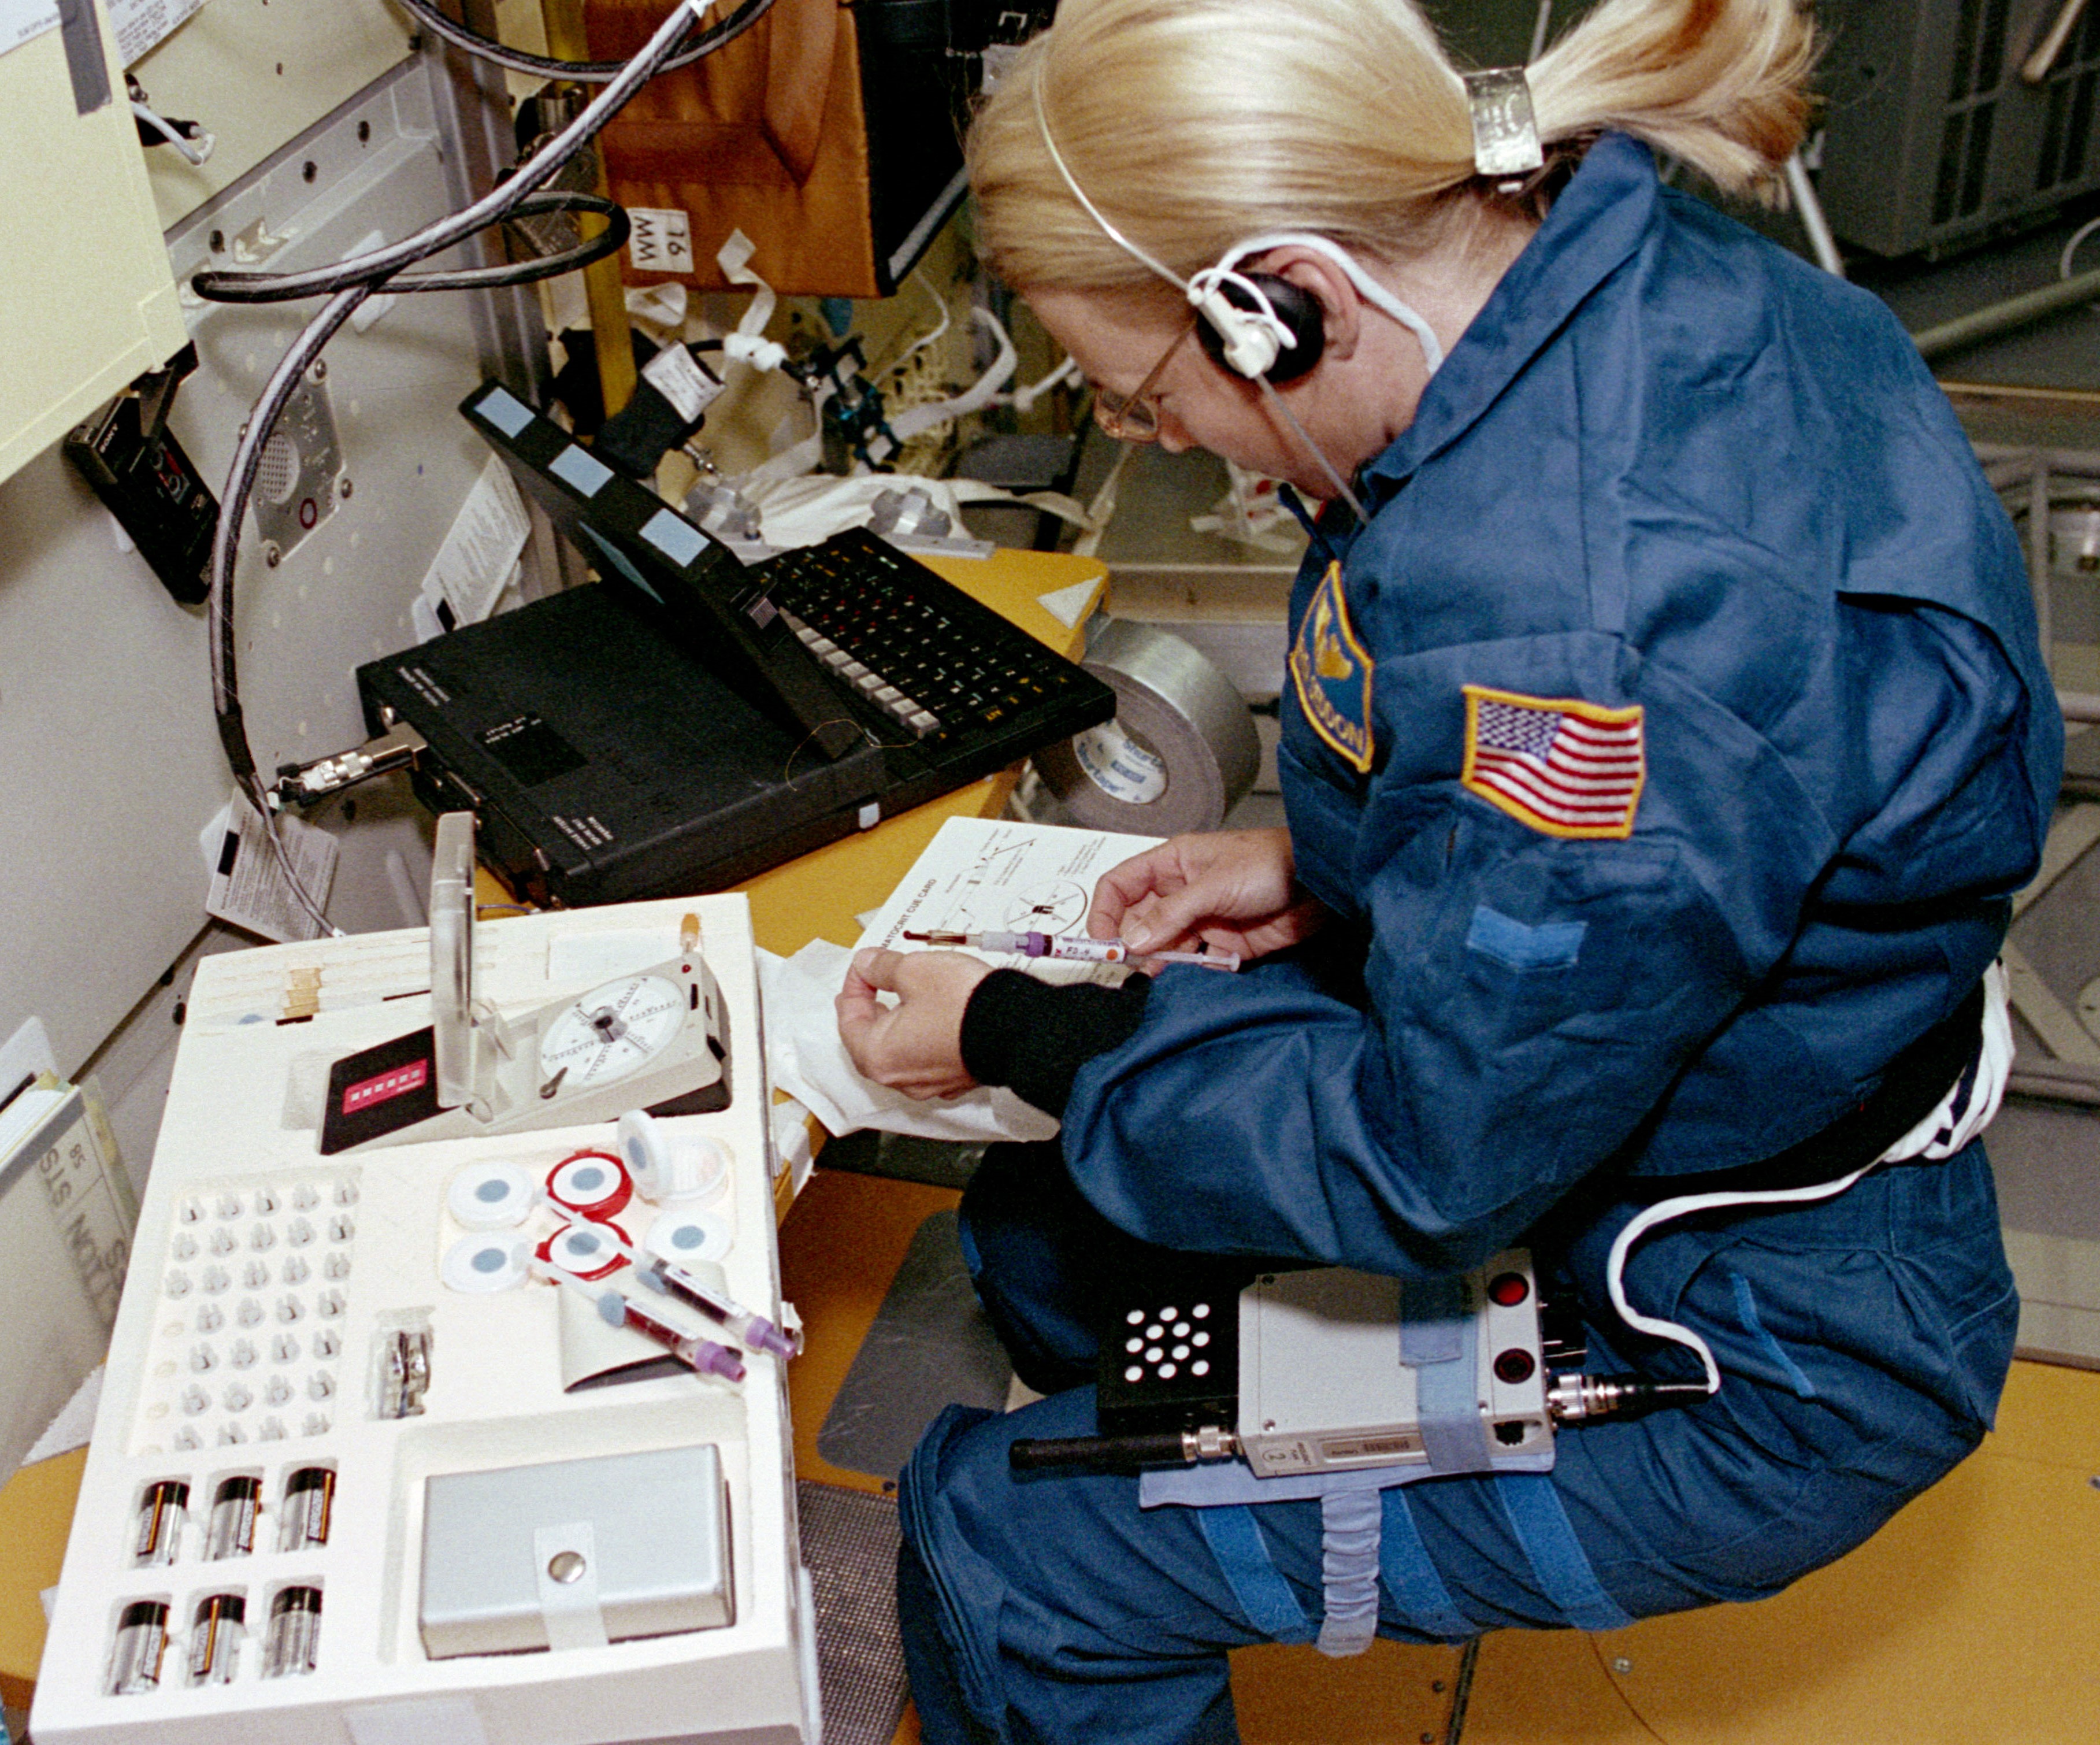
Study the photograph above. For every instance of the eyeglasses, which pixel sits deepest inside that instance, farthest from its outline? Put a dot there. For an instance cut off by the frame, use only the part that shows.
(1133, 418)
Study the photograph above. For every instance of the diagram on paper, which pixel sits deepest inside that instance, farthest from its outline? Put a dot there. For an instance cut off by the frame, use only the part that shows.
(1053, 905)
(993, 875)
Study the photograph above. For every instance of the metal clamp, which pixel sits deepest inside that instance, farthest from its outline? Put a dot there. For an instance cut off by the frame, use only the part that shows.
(1504, 132)
(404, 1376)
(307, 783)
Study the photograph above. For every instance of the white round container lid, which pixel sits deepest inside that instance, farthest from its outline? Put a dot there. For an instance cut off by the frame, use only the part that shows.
(593, 1181)
(490, 1196)
(686, 1235)
(582, 1250)
(478, 1265)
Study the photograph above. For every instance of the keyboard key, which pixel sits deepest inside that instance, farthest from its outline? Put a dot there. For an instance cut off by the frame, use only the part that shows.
(908, 643)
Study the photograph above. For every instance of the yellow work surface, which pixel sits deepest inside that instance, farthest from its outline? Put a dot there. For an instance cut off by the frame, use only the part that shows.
(36, 1510)
(1971, 1615)
(840, 1248)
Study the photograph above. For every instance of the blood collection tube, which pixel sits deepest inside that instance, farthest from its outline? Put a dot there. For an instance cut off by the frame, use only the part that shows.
(142, 1639)
(163, 1512)
(292, 1643)
(303, 1523)
(757, 1333)
(1073, 948)
(230, 1532)
(703, 1357)
(215, 1635)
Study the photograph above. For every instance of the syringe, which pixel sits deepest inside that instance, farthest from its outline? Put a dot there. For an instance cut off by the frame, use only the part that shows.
(753, 1329)
(1073, 948)
(703, 1357)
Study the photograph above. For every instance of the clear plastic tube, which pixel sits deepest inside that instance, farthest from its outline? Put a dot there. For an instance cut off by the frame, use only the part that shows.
(754, 1330)
(1074, 948)
(703, 1357)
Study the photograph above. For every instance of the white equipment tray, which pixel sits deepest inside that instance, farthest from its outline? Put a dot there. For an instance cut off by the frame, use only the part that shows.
(264, 1281)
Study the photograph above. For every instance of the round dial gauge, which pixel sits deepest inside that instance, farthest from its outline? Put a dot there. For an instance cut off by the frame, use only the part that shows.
(611, 1032)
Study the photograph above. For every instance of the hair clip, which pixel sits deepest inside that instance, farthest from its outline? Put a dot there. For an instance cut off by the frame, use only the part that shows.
(1505, 133)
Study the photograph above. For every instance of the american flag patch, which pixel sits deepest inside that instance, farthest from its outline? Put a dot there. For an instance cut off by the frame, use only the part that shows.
(1561, 766)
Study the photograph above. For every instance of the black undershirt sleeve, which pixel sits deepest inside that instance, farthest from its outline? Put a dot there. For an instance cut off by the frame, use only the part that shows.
(1033, 1037)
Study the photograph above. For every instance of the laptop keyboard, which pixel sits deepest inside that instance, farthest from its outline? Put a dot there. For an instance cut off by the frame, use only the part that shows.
(909, 646)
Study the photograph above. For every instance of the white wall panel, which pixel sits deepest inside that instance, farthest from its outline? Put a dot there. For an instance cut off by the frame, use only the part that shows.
(109, 761)
(255, 73)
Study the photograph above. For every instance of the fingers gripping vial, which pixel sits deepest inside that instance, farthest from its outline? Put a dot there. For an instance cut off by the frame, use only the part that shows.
(1073, 948)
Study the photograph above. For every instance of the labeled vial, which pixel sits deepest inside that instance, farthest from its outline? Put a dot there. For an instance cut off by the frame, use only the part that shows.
(142, 1639)
(309, 1499)
(163, 1512)
(230, 1531)
(215, 1635)
(292, 1644)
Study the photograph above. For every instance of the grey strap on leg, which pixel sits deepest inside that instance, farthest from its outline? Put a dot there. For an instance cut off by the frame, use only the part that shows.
(1350, 1522)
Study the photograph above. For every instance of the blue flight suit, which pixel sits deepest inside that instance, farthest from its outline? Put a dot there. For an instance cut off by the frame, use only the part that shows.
(1698, 510)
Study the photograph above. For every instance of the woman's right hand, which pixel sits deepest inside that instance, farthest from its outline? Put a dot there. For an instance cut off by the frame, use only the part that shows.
(1231, 889)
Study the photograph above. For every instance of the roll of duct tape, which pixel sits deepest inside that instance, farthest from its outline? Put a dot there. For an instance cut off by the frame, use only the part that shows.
(1180, 753)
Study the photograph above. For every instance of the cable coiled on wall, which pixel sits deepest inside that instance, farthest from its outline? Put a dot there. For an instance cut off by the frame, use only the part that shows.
(347, 284)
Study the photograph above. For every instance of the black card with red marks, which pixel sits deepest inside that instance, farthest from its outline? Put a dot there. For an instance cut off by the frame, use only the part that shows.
(380, 1090)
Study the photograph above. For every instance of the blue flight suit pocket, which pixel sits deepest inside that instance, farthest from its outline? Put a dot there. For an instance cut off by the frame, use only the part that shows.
(1518, 945)
(1579, 947)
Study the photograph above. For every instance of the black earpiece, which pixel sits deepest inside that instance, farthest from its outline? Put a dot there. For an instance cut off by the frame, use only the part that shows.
(1297, 308)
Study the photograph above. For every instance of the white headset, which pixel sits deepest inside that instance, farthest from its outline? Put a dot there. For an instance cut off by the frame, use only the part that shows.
(1254, 336)
(1203, 291)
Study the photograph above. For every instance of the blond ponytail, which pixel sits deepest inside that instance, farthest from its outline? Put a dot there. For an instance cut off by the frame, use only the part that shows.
(1192, 124)
(1716, 82)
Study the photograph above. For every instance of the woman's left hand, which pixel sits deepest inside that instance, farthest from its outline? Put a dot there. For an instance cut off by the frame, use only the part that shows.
(916, 1045)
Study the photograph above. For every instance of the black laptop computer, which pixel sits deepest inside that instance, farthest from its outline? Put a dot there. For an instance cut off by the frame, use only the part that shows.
(689, 721)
